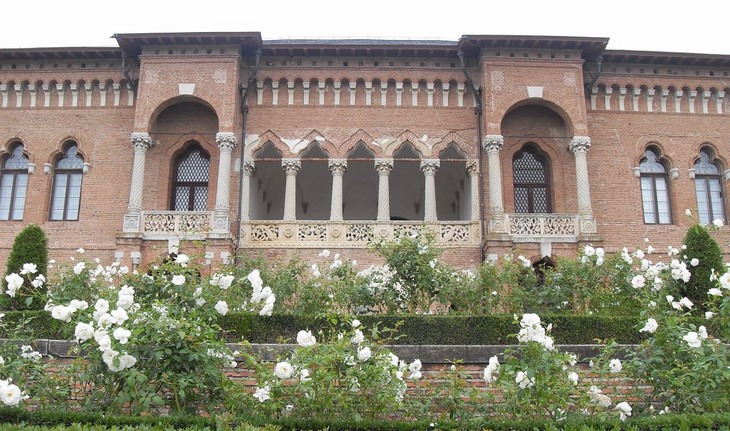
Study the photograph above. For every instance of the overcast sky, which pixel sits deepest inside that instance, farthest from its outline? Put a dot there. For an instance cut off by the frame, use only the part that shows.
(696, 26)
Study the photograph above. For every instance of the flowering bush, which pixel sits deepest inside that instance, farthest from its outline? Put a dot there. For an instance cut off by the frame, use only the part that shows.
(342, 372)
(152, 339)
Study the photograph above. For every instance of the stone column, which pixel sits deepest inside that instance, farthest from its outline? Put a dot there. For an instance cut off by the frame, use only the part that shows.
(493, 146)
(291, 167)
(249, 167)
(338, 168)
(429, 168)
(579, 147)
(141, 141)
(472, 169)
(226, 143)
(384, 167)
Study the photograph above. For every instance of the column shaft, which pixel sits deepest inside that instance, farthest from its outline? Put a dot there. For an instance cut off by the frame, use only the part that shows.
(291, 166)
(337, 167)
(429, 168)
(384, 167)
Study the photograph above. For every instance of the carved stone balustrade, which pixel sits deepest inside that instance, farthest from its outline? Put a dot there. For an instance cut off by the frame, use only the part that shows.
(188, 224)
(351, 233)
(532, 227)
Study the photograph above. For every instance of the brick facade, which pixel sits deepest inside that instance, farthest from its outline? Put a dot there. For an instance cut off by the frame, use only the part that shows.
(249, 102)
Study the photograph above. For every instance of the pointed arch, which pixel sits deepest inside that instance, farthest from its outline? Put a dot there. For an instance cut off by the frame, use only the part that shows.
(407, 136)
(268, 136)
(453, 137)
(314, 136)
(361, 136)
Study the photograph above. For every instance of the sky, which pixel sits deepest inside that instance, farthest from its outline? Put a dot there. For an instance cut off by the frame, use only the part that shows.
(697, 26)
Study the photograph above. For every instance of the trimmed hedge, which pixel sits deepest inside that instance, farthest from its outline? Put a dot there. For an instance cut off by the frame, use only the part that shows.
(413, 329)
(44, 418)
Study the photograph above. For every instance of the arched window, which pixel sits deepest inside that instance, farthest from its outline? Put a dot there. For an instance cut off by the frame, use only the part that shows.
(708, 186)
(13, 184)
(531, 181)
(68, 173)
(655, 189)
(190, 180)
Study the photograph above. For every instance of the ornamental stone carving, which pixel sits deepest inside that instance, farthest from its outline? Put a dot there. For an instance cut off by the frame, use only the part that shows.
(338, 167)
(141, 140)
(225, 140)
(291, 166)
(580, 144)
(493, 143)
(384, 167)
(429, 167)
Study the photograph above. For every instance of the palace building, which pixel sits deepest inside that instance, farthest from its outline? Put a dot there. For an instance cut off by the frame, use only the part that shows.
(231, 144)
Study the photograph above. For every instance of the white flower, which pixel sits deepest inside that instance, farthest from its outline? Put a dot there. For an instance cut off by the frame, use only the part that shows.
(254, 277)
(223, 281)
(709, 315)
(589, 251)
(491, 369)
(718, 223)
(306, 339)
(268, 306)
(714, 292)
(122, 335)
(415, 369)
(79, 267)
(283, 370)
(182, 260)
(355, 323)
(102, 305)
(83, 332)
(694, 262)
(724, 280)
(29, 268)
(624, 409)
(324, 253)
(686, 302)
(364, 354)
(14, 282)
(597, 397)
(688, 212)
(650, 326)
(573, 377)
(358, 338)
(702, 332)
(524, 381)
(38, 281)
(10, 394)
(178, 279)
(80, 250)
(692, 339)
(62, 313)
(638, 281)
(262, 394)
(615, 366)
(304, 375)
(221, 307)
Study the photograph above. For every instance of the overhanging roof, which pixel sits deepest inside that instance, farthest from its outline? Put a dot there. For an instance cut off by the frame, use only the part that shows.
(590, 47)
(132, 43)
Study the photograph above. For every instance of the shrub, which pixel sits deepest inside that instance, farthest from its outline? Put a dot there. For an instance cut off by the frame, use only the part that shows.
(29, 248)
(701, 246)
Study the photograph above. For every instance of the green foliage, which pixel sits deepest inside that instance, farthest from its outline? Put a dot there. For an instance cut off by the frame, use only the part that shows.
(29, 247)
(702, 246)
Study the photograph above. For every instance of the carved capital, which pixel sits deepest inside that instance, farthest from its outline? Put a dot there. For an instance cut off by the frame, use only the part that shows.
(225, 140)
(291, 166)
(384, 167)
(429, 167)
(249, 167)
(337, 167)
(493, 143)
(472, 168)
(141, 140)
(580, 144)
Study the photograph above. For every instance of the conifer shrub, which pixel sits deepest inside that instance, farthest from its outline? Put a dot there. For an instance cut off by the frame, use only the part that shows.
(702, 246)
(29, 246)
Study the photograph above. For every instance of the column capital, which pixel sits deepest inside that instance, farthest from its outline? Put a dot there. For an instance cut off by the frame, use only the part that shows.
(580, 144)
(384, 166)
(472, 168)
(291, 166)
(337, 166)
(225, 140)
(493, 143)
(249, 167)
(141, 140)
(430, 166)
